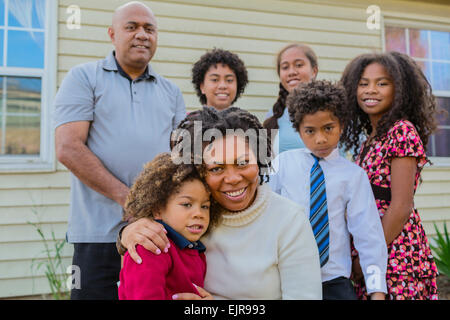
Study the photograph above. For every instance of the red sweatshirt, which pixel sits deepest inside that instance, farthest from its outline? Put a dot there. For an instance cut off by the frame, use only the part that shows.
(159, 277)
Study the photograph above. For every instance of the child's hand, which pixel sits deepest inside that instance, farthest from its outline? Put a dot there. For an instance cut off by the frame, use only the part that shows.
(204, 295)
(357, 273)
(146, 232)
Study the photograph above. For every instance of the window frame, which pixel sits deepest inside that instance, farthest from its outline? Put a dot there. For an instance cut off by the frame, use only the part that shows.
(428, 23)
(45, 161)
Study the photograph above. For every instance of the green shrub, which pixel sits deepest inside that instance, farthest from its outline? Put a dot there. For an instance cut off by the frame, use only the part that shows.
(54, 269)
(442, 251)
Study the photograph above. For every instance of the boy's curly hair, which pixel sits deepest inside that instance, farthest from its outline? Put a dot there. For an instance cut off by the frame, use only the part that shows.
(318, 95)
(212, 58)
(413, 98)
(160, 179)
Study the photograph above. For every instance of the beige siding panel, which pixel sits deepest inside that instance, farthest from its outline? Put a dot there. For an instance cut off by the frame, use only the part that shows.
(34, 214)
(435, 174)
(97, 32)
(434, 187)
(191, 55)
(25, 232)
(59, 165)
(35, 180)
(305, 8)
(353, 23)
(432, 201)
(207, 42)
(24, 287)
(434, 214)
(431, 232)
(28, 268)
(15, 251)
(34, 197)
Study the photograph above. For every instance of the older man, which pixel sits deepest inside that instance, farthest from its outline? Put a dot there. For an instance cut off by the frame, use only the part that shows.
(111, 116)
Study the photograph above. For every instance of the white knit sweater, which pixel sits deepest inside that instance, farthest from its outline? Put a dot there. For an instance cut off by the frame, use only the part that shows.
(267, 251)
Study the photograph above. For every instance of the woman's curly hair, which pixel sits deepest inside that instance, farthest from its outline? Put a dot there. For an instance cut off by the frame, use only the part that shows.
(223, 121)
(212, 58)
(160, 179)
(318, 95)
(280, 105)
(413, 98)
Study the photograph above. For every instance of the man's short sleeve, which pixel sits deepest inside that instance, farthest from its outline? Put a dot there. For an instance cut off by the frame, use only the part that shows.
(75, 98)
(180, 111)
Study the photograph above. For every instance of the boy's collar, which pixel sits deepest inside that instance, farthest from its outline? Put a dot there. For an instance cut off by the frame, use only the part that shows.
(333, 154)
(180, 241)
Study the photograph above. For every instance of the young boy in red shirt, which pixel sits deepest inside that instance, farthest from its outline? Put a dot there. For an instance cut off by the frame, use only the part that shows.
(176, 196)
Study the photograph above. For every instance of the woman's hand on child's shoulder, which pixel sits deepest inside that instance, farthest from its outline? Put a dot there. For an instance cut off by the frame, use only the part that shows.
(146, 232)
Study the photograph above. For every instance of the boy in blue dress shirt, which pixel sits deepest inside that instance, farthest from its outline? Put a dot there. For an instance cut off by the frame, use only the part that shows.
(335, 192)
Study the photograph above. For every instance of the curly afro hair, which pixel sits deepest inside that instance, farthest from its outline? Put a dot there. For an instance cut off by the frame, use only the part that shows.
(318, 95)
(160, 179)
(413, 98)
(212, 58)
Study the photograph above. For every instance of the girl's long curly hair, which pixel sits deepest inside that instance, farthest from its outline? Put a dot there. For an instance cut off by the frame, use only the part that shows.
(413, 98)
(280, 105)
(160, 179)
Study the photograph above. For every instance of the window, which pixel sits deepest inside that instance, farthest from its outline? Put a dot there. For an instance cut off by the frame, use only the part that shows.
(27, 79)
(431, 49)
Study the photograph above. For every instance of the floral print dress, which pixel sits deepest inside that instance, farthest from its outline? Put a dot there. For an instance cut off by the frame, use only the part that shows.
(411, 270)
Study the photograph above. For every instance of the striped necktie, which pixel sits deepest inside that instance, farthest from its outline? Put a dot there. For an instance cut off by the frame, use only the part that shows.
(318, 215)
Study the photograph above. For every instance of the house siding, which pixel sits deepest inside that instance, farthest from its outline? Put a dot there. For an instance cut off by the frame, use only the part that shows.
(254, 29)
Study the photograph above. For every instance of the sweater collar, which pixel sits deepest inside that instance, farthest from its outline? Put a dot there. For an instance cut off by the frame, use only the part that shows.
(240, 218)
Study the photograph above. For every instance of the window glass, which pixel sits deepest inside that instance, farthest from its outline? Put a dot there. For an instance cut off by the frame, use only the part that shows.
(426, 68)
(442, 143)
(26, 13)
(25, 49)
(21, 111)
(418, 43)
(1, 48)
(38, 18)
(431, 50)
(395, 39)
(441, 76)
(22, 45)
(440, 45)
(444, 104)
(2, 12)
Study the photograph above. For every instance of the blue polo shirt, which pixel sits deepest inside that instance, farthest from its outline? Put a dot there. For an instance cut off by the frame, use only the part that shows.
(131, 122)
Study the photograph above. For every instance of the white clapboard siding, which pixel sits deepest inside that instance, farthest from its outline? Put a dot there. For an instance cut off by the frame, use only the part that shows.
(254, 29)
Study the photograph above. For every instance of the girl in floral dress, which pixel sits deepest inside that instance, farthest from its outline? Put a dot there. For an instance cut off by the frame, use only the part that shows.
(394, 108)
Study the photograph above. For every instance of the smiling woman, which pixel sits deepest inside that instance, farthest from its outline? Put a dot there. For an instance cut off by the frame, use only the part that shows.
(264, 247)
